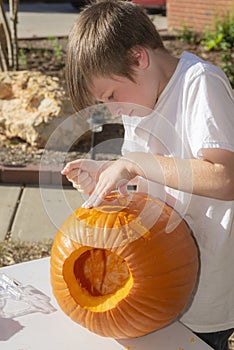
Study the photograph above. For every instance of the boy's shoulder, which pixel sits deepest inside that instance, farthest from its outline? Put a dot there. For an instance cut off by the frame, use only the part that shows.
(193, 66)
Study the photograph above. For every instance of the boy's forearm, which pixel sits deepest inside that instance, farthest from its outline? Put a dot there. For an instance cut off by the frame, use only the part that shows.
(195, 176)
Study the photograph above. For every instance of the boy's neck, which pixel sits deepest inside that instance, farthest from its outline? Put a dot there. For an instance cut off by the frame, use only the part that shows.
(163, 64)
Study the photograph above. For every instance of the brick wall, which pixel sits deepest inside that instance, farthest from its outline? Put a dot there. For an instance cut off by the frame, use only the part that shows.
(196, 14)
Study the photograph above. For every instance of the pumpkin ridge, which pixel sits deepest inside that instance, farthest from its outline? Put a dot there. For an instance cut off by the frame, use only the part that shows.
(174, 270)
(157, 306)
(67, 304)
(93, 220)
(78, 315)
(98, 323)
(118, 325)
(136, 327)
(59, 251)
(161, 288)
(137, 305)
(138, 308)
(148, 319)
(87, 317)
(72, 308)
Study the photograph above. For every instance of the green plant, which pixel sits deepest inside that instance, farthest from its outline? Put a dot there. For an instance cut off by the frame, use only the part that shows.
(222, 38)
(228, 66)
(22, 58)
(57, 48)
(187, 35)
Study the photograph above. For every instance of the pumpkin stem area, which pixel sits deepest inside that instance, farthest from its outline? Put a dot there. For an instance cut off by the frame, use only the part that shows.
(99, 278)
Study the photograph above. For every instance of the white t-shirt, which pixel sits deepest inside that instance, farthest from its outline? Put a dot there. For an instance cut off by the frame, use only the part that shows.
(195, 111)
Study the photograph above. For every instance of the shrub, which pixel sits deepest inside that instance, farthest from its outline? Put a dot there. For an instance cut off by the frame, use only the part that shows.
(222, 38)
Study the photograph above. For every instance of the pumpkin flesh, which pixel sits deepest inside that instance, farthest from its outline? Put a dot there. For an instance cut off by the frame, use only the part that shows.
(97, 279)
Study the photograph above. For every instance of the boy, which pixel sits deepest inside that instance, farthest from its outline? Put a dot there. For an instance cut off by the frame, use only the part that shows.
(178, 119)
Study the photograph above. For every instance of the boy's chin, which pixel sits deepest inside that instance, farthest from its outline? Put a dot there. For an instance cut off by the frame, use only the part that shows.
(139, 112)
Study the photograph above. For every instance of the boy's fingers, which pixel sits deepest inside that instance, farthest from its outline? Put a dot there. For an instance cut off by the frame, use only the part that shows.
(64, 171)
(85, 187)
(73, 174)
(95, 199)
(92, 203)
(70, 166)
(102, 189)
(82, 176)
(77, 176)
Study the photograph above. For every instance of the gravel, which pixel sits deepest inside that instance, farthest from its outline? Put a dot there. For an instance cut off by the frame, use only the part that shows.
(14, 252)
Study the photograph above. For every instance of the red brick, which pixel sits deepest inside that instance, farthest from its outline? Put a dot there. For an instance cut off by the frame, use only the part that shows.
(197, 15)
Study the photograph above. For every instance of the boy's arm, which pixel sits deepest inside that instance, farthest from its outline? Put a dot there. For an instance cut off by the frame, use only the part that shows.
(212, 176)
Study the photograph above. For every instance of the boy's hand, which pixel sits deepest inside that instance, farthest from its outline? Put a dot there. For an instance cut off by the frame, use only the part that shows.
(115, 177)
(82, 173)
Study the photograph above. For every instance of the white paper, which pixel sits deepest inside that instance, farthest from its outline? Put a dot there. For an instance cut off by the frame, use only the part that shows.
(55, 331)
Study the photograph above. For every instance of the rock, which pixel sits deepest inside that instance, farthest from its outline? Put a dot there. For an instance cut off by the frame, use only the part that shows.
(32, 105)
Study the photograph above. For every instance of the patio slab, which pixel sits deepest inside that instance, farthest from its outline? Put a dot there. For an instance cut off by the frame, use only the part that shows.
(41, 212)
(9, 195)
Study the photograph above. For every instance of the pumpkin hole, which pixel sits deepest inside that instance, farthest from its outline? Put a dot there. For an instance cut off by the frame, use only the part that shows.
(101, 272)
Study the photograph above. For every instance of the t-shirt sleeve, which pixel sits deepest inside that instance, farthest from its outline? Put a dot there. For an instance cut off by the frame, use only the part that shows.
(210, 113)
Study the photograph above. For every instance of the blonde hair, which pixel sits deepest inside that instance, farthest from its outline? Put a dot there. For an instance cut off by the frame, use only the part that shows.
(100, 43)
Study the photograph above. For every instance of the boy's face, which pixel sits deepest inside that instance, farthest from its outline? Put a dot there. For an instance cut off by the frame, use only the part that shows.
(124, 96)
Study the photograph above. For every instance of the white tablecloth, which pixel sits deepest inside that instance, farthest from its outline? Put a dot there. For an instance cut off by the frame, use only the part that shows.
(55, 330)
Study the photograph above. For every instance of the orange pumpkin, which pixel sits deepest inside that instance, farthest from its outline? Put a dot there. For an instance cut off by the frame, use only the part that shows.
(117, 271)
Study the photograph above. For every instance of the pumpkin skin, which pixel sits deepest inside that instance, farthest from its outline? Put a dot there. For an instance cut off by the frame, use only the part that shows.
(118, 277)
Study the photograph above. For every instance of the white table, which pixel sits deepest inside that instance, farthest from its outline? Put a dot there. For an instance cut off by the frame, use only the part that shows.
(55, 330)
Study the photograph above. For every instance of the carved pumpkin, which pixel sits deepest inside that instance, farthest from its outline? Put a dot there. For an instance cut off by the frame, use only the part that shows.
(117, 271)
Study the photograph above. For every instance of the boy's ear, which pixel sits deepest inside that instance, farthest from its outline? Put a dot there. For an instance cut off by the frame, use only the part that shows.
(140, 56)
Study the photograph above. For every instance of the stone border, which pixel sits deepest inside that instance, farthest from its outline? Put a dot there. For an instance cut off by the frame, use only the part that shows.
(30, 175)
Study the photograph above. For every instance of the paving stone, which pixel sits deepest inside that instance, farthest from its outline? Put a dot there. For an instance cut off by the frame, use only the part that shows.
(42, 211)
(9, 195)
